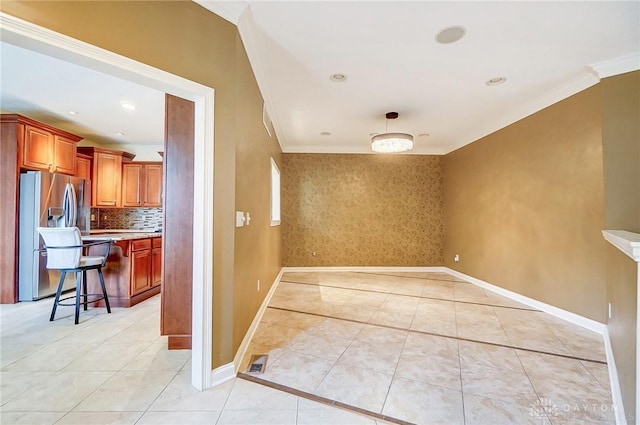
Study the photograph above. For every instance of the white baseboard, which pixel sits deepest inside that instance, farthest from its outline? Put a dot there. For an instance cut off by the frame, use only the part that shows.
(570, 317)
(244, 345)
(370, 269)
(616, 393)
(222, 374)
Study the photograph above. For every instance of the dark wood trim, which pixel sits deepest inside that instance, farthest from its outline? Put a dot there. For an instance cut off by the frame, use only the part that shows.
(179, 342)
(9, 193)
(15, 119)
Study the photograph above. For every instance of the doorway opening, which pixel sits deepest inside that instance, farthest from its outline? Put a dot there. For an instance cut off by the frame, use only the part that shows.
(33, 37)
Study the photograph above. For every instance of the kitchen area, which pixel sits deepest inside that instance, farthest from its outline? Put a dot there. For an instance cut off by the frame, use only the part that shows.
(103, 192)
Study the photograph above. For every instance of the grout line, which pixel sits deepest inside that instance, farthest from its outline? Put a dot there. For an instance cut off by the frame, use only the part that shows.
(495, 344)
(414, 296)
(320, 399)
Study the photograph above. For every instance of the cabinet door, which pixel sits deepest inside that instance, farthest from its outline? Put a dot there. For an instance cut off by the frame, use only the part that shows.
(83, 168)
(131, 185)
(64, 155)
(153, 185)
(156, 266)
(36, 149)
(140, 270)
(106, 180)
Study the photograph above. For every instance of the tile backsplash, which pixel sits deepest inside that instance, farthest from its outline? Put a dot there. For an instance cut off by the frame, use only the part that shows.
(126, 218)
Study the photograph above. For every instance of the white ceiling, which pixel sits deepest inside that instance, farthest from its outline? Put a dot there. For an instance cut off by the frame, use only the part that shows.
(393, 63)
(46, 89)
(546, 50)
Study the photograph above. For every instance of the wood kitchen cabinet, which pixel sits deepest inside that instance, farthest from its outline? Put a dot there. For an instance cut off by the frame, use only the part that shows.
(106, 175)
(41, 146)
(133, 271)
(83, 166)
(142, 184)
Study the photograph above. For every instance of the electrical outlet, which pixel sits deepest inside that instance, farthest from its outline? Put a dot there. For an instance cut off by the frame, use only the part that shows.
(104, 217)
(258, 285)
(610, 311)
(313, 253)
(93, 217)
(456, 259)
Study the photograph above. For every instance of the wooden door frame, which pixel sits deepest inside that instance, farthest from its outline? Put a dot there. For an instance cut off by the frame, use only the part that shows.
(36, 38)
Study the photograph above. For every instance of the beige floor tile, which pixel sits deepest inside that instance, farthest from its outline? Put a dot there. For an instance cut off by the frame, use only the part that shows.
(107, 357)
(13, 384)
(374, 356)
(600, 372)
(209, 417)
(255, 348)
(323, 346)
(421, 403)
(254, 416)
(438, 289)
(430, 369)
(305, 322)
(313, 413)
(60, 392)
(10, 353)
(472, 353)
(272, 315)
(30, 418)
(343, 328)
(392, 318)
(100, 418)
(180, 395)
(275, 335)
(246, 395)
(127, 391)
(158, 357)
(468, 292)
(383, 336)
(359, 387)
(435, 316)
(297, 370)
(52, 358)
(483, 411)
(498, 384)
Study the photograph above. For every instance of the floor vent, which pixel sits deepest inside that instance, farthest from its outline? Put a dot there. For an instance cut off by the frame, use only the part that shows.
(258, 363)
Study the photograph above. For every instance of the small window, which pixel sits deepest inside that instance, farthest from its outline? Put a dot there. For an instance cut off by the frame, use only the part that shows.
(275, 194)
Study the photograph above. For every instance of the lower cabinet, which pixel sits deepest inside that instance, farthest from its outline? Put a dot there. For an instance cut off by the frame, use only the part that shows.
(133, 272)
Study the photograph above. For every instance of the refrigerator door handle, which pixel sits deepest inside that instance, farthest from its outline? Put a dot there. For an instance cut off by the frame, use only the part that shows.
(70, 205)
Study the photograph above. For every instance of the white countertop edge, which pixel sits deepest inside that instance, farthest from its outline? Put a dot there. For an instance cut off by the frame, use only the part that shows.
(627, 242)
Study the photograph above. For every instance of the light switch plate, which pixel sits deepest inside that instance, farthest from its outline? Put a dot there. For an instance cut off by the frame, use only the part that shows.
(239, 218)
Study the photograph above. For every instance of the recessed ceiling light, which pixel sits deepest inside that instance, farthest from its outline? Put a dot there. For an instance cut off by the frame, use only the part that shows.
(451, 34)
(338, 78)
(423, 135)
(73, 112)
(325, 133)
(129, 106)
(496, 81)
(119, 133)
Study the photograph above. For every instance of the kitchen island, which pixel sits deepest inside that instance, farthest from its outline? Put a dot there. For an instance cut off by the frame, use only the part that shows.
(133, 271)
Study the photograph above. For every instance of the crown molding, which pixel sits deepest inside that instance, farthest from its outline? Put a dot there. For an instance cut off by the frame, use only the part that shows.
(616, 66)
(229, 10)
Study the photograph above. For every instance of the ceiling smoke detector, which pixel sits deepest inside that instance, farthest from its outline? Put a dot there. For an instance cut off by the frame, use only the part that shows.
(496, 81)
(451, 34)
(338, 78)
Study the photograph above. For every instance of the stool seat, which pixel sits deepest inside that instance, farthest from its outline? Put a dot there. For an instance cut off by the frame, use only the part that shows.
(64, 249)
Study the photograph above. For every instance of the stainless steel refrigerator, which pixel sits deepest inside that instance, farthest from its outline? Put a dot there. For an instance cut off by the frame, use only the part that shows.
(47, 200)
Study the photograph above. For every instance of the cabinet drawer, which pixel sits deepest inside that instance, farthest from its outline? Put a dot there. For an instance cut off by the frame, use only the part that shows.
(140, 244)
(156, 242)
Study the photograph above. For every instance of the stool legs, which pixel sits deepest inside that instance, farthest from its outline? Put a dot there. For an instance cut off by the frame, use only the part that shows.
(78, 294)
(58, 292)
(104, 291)
(84, 288)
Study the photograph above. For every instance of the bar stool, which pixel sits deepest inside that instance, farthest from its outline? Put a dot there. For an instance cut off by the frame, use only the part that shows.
(64, 253)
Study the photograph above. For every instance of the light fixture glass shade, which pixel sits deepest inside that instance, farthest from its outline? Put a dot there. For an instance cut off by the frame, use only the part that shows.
(392, 142)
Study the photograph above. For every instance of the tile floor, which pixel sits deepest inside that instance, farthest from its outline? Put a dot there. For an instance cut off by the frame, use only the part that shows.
(115, 369)
(427, 348)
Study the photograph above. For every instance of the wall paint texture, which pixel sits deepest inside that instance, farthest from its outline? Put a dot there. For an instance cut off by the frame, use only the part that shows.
(184, 39)
(524, 207)
(621, 150)
(362, 210)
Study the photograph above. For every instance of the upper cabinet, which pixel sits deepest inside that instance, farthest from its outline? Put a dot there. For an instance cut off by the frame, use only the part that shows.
(106, 175)
(142, 184)
(83, 166)
(40, 146)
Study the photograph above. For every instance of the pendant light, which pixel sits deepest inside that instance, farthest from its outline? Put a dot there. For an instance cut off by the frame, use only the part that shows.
(391, 142)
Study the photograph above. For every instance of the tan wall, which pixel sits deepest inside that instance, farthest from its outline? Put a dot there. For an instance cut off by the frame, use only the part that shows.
(524, 207)
(182, 38)
(621, 146)
(362, 210)
(257, 246)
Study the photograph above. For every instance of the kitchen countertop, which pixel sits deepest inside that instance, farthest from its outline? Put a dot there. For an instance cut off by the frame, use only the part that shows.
(119, 235)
